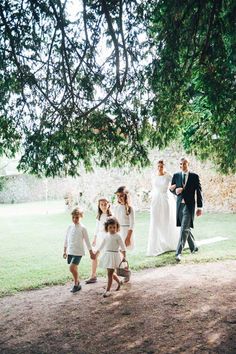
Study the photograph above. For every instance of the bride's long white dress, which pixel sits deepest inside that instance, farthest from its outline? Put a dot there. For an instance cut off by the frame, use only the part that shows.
(163, 232)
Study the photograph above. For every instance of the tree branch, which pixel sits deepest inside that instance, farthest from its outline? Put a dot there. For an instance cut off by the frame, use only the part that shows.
(216, 5)
(124, 46)
(114, 39)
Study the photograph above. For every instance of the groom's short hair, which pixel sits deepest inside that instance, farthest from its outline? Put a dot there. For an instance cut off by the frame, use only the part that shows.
(184, 159)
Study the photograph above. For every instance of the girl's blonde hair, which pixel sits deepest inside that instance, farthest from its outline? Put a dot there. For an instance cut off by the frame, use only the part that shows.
(111, 221)
(125, 191)
(99, 209)
(78, 212)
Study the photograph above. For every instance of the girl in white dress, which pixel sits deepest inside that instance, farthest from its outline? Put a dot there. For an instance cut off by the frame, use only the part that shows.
(163, 233)
(103, 213)
(110, 259)
(124, 213)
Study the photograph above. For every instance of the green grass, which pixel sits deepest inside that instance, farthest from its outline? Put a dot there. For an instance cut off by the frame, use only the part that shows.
(32, 244)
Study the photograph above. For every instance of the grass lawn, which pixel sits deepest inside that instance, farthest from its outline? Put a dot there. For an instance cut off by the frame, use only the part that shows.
(32, 237)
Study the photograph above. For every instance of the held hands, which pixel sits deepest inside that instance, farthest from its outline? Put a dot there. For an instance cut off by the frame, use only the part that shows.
(124, 254)
(125, 260)
(92, 255)
(172, 187)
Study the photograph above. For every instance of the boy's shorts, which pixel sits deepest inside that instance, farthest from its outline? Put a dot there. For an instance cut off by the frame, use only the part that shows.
(73, 259)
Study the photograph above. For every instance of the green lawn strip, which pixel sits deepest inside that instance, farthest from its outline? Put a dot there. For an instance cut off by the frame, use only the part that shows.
(32, 246)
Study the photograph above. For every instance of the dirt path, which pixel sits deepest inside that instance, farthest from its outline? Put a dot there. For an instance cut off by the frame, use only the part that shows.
(175, 309)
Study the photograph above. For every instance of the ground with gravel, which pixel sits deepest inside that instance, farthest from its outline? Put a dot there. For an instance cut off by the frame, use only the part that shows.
(175, 309)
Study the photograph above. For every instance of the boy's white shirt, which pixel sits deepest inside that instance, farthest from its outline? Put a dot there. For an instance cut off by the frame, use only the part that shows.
(75, 237)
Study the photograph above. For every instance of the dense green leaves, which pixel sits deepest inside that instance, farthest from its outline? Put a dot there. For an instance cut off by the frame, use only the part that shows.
(194, 76)
(106, 81)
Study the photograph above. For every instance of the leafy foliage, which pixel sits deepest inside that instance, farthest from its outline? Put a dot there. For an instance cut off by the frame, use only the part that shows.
(105, 84)
(194, 76)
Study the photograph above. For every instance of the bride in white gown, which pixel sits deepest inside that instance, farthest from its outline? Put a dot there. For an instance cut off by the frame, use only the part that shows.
(163, 232)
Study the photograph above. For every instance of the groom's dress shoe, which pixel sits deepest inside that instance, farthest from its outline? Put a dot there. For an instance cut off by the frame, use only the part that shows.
(178, 258)
(195, 250)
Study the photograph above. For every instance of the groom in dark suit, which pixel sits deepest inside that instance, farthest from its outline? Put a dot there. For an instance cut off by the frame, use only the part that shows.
(186, 185)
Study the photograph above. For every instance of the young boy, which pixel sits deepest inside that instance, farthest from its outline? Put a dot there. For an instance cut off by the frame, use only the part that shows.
(74, 246)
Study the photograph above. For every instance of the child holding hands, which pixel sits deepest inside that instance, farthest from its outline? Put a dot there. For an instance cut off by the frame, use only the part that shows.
(100, 233)
(74, 246)
(124, 213)
(111, 259)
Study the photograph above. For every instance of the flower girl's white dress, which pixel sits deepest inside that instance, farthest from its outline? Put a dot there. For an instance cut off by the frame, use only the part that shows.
(126, 222)
(163, 232)
(112, 244)
(100, 232)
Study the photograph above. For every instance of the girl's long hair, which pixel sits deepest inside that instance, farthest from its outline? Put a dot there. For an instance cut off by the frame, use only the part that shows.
(127, 201)
(99, 209)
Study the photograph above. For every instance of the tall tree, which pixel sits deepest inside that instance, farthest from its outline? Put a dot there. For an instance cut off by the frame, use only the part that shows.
(194, 76)
(116, 78)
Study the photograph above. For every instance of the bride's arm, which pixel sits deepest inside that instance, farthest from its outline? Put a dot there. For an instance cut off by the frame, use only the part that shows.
(172, 186)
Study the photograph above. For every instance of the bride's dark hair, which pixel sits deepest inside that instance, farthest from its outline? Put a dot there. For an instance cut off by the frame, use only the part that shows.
(161, 161)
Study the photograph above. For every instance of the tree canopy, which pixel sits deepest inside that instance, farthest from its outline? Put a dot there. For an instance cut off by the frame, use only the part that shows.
(107, 81)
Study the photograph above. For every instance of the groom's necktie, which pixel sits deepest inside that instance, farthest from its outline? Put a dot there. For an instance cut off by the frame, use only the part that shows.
(184, 179)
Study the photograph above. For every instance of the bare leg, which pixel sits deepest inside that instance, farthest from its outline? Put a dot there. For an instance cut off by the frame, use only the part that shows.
(115, 277)
(74, 271)
(110, 278)
(93, 277)
(94, 268)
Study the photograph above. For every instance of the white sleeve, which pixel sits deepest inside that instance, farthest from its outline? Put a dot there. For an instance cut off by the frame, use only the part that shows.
(152, 185)
(96, 228)
(169, 177)
(102, 245)
(114, 211)
(86, 239)
(66, 237)
(131, 219)
(121, 243)
(153, 181)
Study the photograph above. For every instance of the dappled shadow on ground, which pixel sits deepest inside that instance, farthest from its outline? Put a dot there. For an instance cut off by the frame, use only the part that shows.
(176, 309)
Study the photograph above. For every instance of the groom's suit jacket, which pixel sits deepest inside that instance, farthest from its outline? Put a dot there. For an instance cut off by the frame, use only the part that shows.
(191, 190)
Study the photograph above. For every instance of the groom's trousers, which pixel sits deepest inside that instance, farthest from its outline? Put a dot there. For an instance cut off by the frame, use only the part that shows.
(185, 231)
